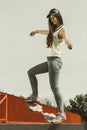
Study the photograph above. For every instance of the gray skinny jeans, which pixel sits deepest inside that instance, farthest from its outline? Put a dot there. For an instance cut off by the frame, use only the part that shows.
(52, 66)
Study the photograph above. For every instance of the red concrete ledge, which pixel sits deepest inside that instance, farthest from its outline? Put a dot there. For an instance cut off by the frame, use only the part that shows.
(15, 110)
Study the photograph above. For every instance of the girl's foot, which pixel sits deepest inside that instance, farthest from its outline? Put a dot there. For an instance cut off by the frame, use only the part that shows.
(59, 118)
(32, 98)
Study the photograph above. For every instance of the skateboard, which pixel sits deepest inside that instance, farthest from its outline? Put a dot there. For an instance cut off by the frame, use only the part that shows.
(36, 106)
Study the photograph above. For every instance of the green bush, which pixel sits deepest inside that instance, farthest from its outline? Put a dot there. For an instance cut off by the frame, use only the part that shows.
(78, 105)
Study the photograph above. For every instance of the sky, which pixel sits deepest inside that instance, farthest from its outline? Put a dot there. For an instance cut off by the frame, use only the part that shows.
(19, 52)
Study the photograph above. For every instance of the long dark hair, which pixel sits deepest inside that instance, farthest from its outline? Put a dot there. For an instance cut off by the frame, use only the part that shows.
(52, 28)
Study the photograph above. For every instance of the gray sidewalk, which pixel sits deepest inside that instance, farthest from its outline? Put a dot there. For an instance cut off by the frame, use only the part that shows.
(4, 126)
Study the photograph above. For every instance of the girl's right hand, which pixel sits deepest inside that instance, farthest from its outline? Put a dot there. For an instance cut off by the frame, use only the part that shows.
(70, 47)
(33, 33)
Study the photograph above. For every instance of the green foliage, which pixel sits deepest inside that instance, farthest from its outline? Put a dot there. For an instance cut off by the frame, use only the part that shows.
(79, 105)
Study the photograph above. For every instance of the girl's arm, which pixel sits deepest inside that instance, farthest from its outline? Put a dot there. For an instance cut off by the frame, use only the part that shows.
(66, 38)
(45, 32)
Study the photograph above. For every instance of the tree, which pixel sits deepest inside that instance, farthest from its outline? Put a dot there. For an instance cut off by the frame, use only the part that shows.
(78, 105)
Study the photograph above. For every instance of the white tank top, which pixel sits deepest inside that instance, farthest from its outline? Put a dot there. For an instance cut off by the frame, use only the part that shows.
(55, 50)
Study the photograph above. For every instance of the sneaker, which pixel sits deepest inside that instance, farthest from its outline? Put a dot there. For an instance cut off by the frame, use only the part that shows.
(59, 118)
(32, 98)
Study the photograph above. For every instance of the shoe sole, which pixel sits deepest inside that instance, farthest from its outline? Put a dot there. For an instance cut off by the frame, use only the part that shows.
(59, 122)
(32, 101)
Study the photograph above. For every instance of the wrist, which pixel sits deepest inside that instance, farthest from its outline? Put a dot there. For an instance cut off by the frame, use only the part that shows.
(36, 31)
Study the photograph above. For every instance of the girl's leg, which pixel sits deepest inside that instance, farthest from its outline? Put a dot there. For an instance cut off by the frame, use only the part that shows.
(39, 69)
(54, 66)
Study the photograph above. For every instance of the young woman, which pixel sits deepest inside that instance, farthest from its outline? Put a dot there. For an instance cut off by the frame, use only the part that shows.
(55, 35)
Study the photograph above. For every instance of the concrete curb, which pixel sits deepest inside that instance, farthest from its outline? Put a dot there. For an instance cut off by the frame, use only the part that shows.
(4, 126)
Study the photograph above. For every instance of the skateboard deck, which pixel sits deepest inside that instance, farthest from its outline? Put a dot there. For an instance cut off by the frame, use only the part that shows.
(36, 106)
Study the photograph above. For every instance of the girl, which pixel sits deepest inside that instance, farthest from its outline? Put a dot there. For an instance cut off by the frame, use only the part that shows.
(55, 35)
